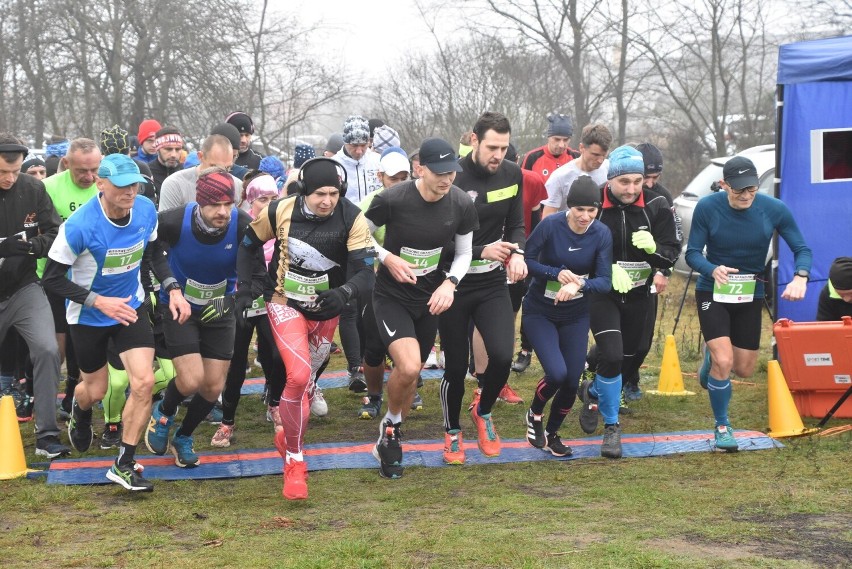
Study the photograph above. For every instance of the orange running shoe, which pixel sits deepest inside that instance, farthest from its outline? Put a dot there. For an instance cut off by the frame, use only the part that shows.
(453, 448)
(295, 479)
(489, 442)
(508, 395)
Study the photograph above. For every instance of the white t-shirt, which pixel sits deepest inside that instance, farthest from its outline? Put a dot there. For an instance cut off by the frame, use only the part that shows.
(560, 182)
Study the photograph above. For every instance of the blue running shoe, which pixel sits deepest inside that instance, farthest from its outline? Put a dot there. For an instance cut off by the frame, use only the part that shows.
(725, 438)
(185, 456)
(157, 433)
(704, 372)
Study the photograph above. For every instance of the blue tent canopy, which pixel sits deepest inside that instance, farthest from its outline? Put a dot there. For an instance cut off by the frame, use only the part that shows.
(815, 103)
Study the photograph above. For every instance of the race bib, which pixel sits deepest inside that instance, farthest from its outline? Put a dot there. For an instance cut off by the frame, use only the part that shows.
(482, 266)
(638, 271)
(740, 289)
(302, 288)
(553, 287)
(200, 294)
(120, 261)
(257, 307)
(426, 261)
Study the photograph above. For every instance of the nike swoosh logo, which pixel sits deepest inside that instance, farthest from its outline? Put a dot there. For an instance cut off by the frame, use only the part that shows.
(574, 248)
(391, 334)
(742, 171)
(444, 155)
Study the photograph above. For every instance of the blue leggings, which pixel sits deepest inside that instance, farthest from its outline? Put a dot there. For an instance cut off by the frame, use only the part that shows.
(561, 348)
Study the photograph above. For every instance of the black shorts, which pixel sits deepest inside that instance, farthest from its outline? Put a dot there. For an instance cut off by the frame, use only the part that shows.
(395, 320)
(90, 342)
(741, 322)
(57, 307)
(213, 340)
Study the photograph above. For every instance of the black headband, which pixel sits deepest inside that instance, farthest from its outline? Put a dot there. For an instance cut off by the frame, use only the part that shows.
(10, 147)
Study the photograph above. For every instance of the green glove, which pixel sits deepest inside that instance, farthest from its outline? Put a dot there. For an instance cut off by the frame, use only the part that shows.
(217, 308)
(621, 281)
(644, 240)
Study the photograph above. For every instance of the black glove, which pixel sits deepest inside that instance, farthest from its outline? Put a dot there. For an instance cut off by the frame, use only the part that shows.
(217, 308)
(242, 302)
(15, 246)
(331, 302)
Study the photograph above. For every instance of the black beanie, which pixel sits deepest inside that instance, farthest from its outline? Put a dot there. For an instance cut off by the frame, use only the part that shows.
(840, 273)
(320, 174)
(241, 121)
(584, 192)
(230, 132)
(652, 157)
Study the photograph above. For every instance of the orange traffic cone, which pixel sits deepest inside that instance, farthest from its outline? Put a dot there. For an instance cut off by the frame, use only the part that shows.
(12, 462)
(671, 378)
(784, 418)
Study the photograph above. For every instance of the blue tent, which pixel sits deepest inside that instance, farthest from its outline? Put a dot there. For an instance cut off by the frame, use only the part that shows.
(813, 155)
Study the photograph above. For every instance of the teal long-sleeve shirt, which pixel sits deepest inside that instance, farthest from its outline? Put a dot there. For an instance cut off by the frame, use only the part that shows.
(740, 238)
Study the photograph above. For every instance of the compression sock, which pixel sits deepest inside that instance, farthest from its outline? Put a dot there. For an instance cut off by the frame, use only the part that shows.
(171, 399)
(609, 397)
(720, 398)
(195, 413)
(116, 394)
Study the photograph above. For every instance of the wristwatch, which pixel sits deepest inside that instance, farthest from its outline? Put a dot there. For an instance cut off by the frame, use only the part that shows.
(453, 279)
(803, 273)
(174, 285)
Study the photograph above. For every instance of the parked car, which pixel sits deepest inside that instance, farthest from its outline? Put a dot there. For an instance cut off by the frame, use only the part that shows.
(706, 182)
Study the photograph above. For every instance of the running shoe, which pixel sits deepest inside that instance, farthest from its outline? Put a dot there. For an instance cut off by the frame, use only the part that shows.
(388, 450)
(632, 392)
(508, 395)
(185, 456)
(556, 447)
(319, 407)
(477, 393)
(335, 349)
(295, 479)
(589, 412)
(535, 431)
(371, 408)
(80, 433)
(417, 402)
(725, 438)
(129, 478)
(522, 361)
(111, 437)
(214, 417)
(611, 445)
(24, 409)
(453, 447)
(222, 437)
(50, 447)
(704, 372)
(623, 409)
(157, 433)
(273, 415)
(487, 438)
(432, 360)
(357, 382)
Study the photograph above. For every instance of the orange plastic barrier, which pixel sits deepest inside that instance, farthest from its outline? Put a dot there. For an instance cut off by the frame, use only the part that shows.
(816, 358)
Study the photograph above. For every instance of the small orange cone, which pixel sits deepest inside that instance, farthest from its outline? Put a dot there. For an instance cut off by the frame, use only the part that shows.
(671, 378)
(784, 418)
(12, 462)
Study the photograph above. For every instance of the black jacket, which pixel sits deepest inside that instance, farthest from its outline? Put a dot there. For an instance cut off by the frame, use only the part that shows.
(27, 208)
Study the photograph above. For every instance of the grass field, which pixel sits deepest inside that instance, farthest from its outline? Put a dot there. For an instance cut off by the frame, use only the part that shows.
(788, 507)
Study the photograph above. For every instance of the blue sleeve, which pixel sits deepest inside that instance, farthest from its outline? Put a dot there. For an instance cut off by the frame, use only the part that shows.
(789, 231)
(535, 243)
(698, 234)
(602, 281)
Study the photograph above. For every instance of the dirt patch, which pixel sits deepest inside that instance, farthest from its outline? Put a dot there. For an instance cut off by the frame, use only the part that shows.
(701, 548)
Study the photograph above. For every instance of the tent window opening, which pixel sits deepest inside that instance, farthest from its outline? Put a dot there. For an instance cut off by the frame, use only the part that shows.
(831, 155)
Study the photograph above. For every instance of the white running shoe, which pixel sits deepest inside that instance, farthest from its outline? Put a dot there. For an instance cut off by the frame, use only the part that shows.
(319, 407)
(432, 360)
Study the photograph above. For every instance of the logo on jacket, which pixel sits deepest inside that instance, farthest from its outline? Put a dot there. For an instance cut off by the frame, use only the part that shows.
(473, 194)
(30, 220)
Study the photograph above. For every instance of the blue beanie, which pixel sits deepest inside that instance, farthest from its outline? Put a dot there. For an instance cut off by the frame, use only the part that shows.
(303, 153)
(559, 125)
(625, 160)
(272, 166)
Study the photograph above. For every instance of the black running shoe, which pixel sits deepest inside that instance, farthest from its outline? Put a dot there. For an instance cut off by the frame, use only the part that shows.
(611, 445)
(357, 382)
(522, 361)
(24, 409)
(50, 447)
(80, 433)
(556, 447)
(388, 450)
(535, 431)
(589, 411)
(129, 478)
(111, 437)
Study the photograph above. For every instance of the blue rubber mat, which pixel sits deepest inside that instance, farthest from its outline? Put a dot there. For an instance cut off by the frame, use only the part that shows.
(329, 380)
(329, 456)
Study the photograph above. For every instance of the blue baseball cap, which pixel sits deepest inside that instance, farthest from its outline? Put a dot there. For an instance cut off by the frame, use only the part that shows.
(120, 170)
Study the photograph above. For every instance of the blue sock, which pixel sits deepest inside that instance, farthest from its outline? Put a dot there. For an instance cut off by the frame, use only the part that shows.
(6, 383)
(720, 397)
(609, 397)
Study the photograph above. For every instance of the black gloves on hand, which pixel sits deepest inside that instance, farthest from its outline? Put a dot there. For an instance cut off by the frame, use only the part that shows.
(15, 246)
(331, 302)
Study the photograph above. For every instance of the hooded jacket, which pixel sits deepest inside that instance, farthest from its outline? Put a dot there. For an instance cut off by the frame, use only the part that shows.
(362, 176)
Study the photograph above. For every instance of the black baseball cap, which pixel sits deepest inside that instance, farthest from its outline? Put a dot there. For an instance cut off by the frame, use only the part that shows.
(739, 172)
(437, 155)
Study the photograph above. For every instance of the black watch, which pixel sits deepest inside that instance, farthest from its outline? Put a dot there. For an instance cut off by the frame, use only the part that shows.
(804, 274)
(173, 286)
(453, 279)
